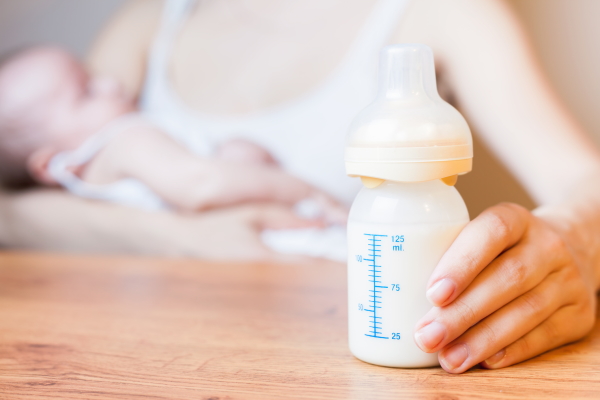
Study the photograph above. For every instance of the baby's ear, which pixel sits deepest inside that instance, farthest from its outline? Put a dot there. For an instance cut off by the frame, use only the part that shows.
(37, 165)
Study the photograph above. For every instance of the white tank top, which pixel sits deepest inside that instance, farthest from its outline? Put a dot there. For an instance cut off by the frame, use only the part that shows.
(306, 135)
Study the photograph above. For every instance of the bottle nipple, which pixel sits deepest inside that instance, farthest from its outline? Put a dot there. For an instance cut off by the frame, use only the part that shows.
(407, 73)
(408, 133)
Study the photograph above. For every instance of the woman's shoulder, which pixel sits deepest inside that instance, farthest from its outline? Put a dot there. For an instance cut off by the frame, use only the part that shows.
(121, 48)
(441, 24)
(136, 18)
(139, 10)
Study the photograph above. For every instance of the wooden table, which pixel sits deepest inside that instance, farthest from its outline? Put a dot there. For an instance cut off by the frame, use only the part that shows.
(75, 327)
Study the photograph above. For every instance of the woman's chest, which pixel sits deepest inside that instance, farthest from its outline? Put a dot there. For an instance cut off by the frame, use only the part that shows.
(225, 61)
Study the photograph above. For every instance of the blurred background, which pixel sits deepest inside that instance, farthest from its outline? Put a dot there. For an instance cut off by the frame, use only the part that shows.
(565, 34)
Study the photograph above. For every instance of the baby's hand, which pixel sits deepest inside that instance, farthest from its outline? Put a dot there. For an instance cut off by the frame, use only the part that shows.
(507, 290)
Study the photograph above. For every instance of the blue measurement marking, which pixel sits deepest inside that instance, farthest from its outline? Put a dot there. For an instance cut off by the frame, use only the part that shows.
(374, 320)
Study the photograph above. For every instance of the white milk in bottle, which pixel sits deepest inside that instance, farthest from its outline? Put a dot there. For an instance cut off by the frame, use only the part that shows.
(408, 147)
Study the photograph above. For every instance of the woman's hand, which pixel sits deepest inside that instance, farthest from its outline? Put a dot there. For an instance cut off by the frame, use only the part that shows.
(230, 234)
(508, 289)
(234, 183)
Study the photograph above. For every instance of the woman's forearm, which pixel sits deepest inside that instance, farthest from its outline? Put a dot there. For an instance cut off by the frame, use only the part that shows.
(51, 219)
(577, 219)
(54, 220)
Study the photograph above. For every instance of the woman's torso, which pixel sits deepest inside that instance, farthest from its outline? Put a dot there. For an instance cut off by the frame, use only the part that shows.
(217, 73)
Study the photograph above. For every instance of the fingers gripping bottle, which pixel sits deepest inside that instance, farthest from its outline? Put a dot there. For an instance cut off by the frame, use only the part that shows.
(408, 147)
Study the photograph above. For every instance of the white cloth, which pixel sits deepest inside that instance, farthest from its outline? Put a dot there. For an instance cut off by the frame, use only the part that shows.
(329, 243)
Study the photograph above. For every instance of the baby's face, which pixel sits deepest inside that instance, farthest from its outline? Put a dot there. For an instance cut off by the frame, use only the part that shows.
(55, 96)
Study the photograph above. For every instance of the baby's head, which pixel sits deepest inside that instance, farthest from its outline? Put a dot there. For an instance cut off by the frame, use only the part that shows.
(48, 104)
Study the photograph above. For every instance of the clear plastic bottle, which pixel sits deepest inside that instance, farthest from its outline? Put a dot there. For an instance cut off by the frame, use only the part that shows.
(408, 148)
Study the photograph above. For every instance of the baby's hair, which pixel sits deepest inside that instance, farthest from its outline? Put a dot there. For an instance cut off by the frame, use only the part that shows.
(13, 168)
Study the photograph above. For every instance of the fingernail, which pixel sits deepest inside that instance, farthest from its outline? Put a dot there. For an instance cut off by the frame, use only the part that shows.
(496, 358)
(429, 336)
(441, 291)
(455, 356)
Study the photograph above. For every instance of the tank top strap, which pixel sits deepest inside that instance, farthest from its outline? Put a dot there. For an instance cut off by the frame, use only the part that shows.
(174, 12)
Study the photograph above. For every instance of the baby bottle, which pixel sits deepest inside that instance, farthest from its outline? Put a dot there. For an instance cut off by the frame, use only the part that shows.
(408, 147)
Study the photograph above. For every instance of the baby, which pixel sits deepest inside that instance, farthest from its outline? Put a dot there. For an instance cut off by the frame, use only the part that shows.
(58, 125)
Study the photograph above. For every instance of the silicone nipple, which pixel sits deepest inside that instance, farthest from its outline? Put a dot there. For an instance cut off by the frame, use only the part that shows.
(407, 73)
(408, 133)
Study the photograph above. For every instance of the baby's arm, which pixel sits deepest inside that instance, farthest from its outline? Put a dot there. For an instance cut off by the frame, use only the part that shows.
(189, 182)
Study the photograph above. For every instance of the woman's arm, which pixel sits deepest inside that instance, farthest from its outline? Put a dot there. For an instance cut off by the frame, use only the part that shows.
(498, 83)
(484, 54)
(53, 220)
(514, 284)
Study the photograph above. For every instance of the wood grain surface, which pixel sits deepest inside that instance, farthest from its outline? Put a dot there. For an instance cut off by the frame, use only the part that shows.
(78, 327)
